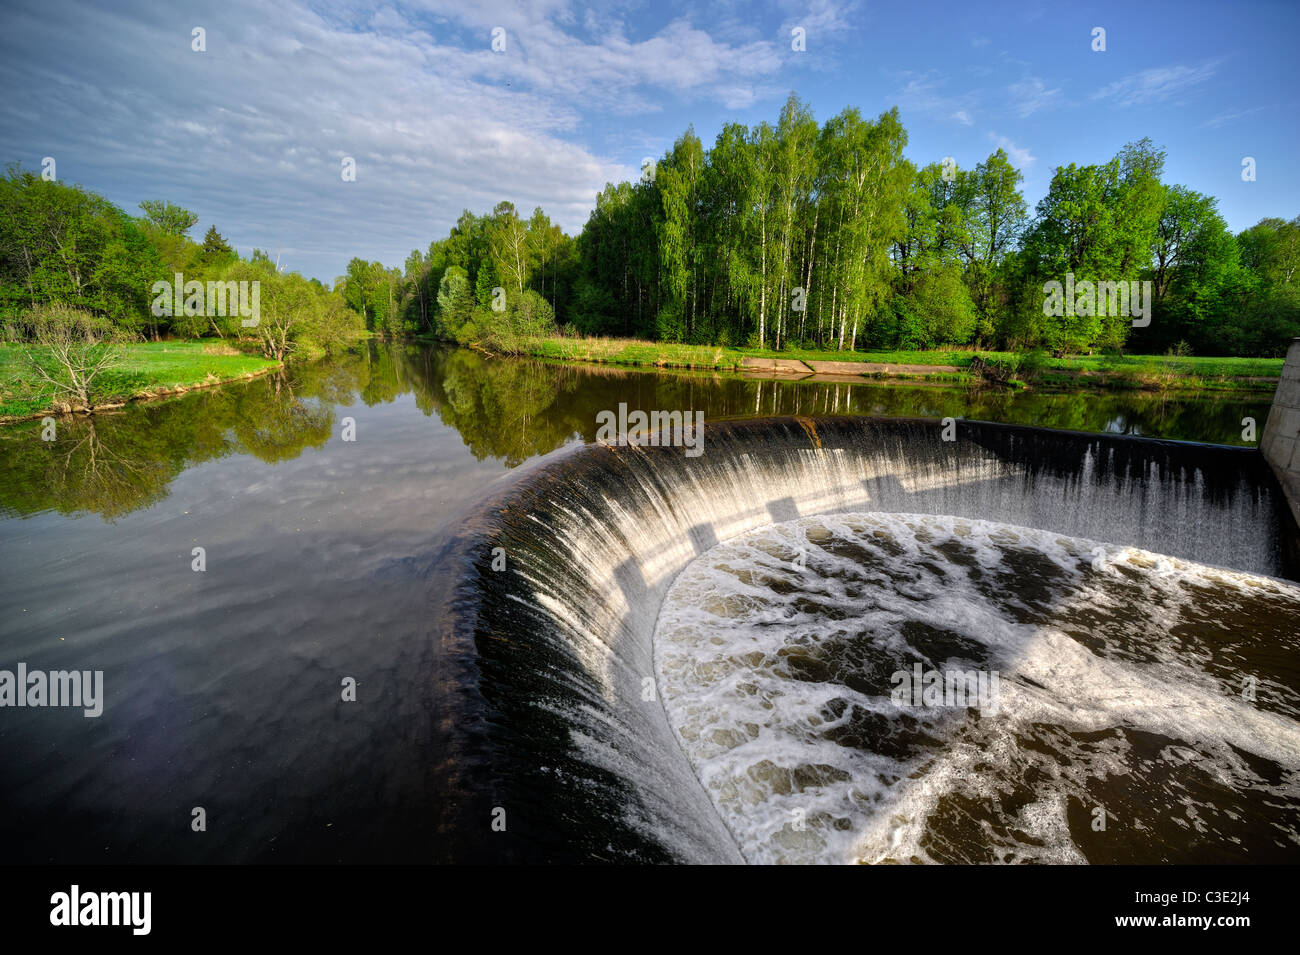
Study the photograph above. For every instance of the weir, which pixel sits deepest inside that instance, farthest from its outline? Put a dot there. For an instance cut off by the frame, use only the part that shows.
(548, 663)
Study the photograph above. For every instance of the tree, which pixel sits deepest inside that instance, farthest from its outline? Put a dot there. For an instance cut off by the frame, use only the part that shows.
(677, 179)
(1267, 298)
(417, 271)
(1099, 223)
(60, 243)
(215, 251)
(72, 350)
(509, 243)
(793, 172)
(455, 303)
(993, 218)
(167, 217)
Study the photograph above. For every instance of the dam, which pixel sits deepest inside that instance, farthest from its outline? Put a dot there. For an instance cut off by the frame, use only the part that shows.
(595, 705)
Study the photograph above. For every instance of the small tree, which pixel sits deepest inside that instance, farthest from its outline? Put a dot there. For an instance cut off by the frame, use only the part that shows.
(215, 250)
(69, 352)
(167, 217)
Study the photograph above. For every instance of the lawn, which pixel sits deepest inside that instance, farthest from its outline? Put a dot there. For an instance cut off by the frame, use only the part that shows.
(148, 368)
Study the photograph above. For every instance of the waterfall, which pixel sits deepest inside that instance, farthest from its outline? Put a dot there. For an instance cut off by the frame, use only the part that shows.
(553, 722)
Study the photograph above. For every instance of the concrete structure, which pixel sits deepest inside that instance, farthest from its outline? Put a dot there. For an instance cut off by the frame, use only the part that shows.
(834, 370)
(1281, 441)
(774, 368)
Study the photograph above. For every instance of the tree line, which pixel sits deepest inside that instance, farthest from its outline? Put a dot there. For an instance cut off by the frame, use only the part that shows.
(793, 234)
(826, 236)
(496, 280)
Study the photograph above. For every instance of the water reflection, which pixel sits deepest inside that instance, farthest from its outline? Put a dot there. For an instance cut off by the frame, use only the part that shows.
(504, 409)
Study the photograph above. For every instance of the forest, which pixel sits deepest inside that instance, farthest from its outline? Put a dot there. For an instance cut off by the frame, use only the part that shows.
(793, 234)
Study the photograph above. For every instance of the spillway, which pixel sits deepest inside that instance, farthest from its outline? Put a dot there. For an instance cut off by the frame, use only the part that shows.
(556, 745)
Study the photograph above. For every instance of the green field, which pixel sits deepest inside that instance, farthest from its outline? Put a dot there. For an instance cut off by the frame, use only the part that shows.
(148, 369)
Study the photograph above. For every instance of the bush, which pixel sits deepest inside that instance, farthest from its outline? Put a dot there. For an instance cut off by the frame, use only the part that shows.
(1032, 363)
(69, 352)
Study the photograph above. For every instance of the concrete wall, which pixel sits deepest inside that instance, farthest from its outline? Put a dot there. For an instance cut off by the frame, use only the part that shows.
(1281, 441)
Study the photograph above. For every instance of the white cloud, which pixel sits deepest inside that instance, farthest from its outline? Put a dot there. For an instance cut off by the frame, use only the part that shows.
(1031, 95)
(1156, 85)
(1020, 158)
(250, 134)
(1224, 119)
(925, 93)
(820, 17)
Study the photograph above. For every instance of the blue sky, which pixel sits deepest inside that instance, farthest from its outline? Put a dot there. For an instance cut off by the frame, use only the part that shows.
(250, 134)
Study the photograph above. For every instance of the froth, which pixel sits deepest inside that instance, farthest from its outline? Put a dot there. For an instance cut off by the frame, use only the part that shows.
(1123, 678)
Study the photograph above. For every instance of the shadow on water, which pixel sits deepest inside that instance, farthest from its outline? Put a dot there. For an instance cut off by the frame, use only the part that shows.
(506, 409)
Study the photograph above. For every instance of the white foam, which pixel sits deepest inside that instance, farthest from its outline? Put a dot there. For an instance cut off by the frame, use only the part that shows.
(1087, 638)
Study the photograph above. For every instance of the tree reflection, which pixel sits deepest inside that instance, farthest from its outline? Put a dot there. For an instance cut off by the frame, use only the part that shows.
(276, 424)
(504, 409)
(94, 465)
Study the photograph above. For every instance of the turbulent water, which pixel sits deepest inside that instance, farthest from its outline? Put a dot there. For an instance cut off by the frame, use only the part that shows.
(610, 744)
(1145, 709)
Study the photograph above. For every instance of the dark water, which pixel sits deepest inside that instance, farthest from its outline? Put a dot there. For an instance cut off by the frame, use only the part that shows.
(325, 560)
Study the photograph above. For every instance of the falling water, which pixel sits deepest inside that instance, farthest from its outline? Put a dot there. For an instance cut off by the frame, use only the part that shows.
(551, 661)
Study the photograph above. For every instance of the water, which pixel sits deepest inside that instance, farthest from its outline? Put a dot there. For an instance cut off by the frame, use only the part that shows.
(369, 560)
(1119, 697)
(597, 537)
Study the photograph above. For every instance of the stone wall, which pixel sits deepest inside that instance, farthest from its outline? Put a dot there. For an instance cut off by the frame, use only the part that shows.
(1281, 441)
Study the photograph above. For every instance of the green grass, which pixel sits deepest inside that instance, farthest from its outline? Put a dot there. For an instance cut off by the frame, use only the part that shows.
(1129, 371)
(897, 357)
(630, 351)
(147, 369)
(1209, 366)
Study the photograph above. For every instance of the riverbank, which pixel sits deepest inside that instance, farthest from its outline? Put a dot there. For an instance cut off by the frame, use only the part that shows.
(148, 370)
(1126, 372)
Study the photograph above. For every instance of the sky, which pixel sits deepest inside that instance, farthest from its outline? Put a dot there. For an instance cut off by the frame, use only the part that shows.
(252, 132)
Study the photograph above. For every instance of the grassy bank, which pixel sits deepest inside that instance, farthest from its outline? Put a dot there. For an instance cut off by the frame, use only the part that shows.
(1158, 372)
(148, 369)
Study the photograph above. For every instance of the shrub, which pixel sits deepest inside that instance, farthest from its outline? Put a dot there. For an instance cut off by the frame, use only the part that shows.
(69, 352)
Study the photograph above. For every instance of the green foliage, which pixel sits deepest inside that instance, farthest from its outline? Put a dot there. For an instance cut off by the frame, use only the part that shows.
(63, 247)
(375, 293)
(485, 281)
(215, 251)
(937, 311)
(63, 244)
(455, 303)
(793, 233)
(512, 330)
(167, 217)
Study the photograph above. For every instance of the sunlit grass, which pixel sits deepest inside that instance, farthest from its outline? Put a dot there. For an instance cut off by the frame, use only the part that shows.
(147, 368)
(1125, 371)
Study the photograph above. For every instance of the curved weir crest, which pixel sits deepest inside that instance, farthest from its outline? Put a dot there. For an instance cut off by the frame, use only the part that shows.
(549, 662)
